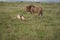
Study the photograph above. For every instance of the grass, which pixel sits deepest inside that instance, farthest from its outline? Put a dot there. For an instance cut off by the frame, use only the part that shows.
(34, 27)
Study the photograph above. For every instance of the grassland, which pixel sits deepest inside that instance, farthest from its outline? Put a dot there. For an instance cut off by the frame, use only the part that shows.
(34, 27)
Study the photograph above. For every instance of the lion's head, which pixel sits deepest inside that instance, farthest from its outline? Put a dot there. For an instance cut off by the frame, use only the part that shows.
(28, 8)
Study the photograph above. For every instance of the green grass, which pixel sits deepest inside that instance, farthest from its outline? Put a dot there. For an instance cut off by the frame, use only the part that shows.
(34, 27)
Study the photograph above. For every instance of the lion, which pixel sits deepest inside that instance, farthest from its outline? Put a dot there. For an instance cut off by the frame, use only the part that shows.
(33, 9)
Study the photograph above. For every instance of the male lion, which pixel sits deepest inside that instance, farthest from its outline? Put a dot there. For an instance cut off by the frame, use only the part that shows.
(32, 9)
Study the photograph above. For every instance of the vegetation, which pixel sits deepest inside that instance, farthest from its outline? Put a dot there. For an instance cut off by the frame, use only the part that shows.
(34, 27)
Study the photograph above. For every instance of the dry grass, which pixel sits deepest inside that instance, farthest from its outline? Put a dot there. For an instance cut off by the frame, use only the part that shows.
(34, 27)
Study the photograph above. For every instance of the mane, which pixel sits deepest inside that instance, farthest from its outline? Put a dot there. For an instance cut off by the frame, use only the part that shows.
(29, 7)
(32, 5)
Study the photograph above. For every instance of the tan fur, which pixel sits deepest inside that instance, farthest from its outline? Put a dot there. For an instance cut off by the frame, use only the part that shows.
(20, 17)
(32, 9)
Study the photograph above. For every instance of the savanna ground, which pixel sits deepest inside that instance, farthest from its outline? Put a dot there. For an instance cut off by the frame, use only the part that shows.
(34, 27)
